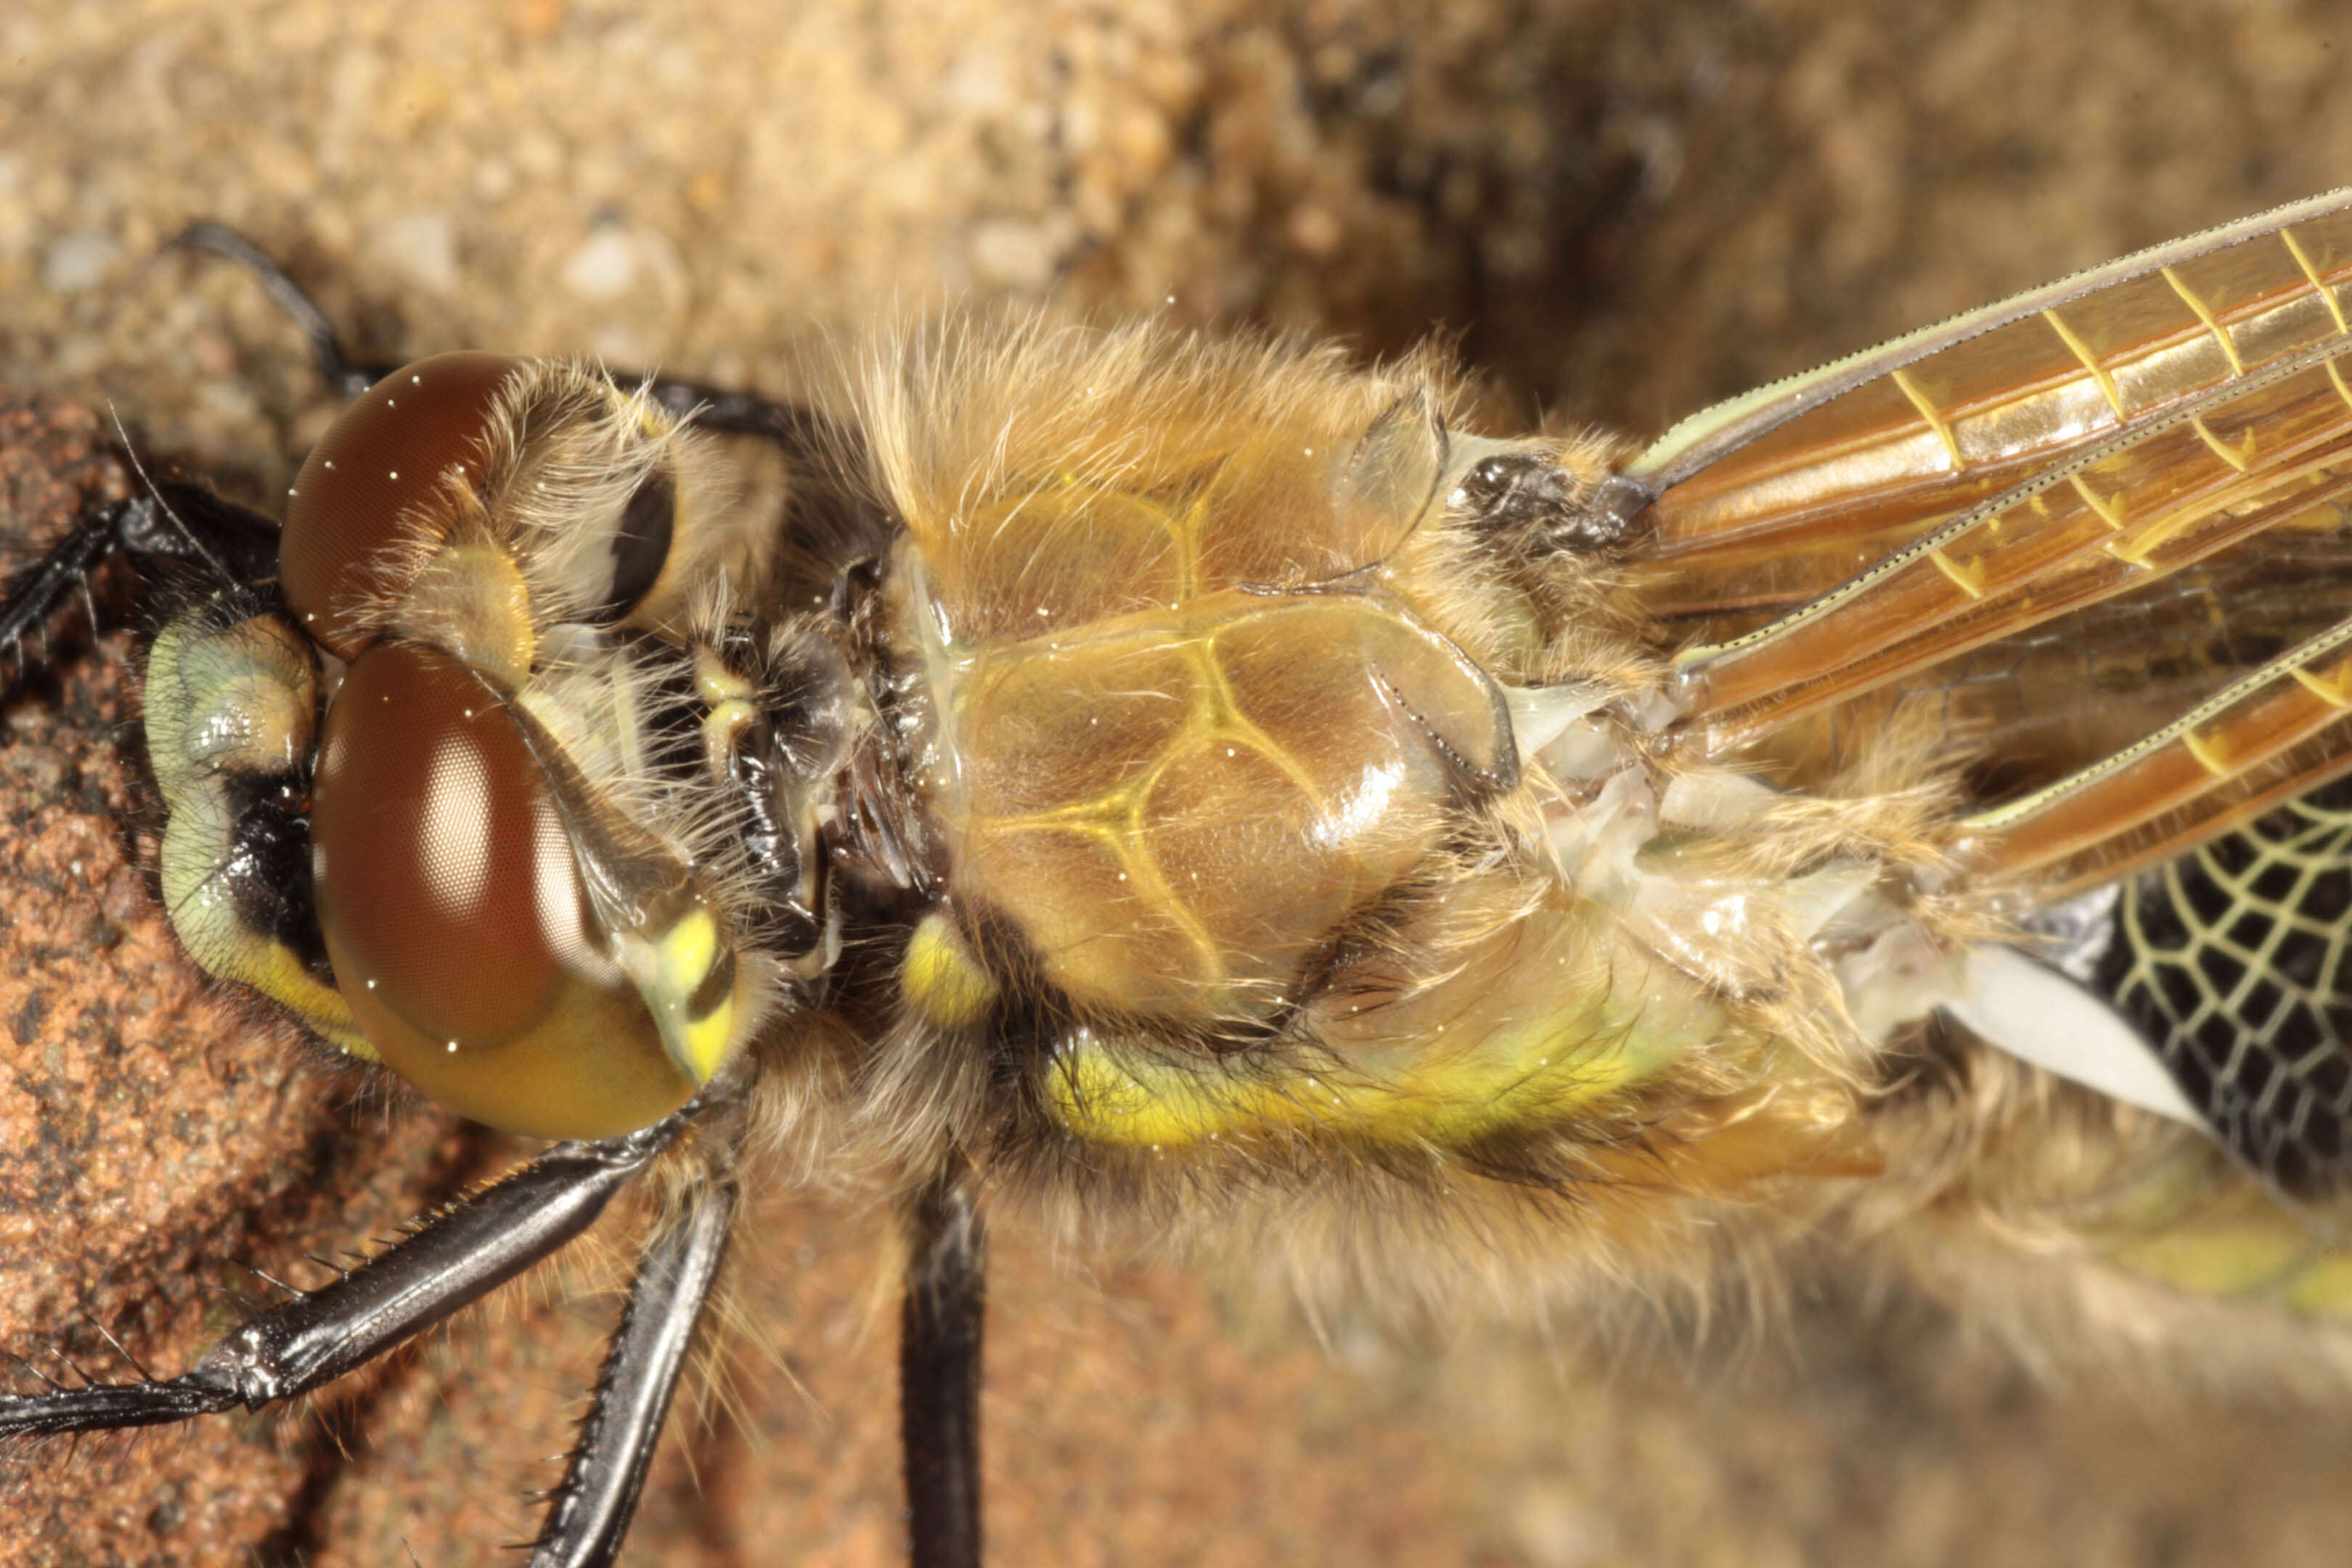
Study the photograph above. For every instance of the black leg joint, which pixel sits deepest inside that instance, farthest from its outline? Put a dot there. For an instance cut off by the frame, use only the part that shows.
(459, 1256)
(173, 521)
(588, 1517)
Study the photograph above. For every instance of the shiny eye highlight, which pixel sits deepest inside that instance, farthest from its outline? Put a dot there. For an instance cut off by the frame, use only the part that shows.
(458, 922)
(505, 936)
(386, 454)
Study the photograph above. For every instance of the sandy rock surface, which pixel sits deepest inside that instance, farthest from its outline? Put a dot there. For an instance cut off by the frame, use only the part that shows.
(1618, 210)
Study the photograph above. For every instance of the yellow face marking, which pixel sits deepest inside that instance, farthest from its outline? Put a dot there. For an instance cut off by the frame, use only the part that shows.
(225, 948)
(669, 970)
(702, 1045)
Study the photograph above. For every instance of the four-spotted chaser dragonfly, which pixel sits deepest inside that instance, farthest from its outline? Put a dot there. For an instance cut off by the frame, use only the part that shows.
(1217, 785)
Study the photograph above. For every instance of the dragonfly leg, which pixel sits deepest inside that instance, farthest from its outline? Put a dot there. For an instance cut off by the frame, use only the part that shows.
(335, 365)
(802, 434)
(590, 1512)
(459, 1256)
(172, 522)
(939, 1372)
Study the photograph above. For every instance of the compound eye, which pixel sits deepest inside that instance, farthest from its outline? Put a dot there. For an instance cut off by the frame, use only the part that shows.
(455, 916)
(383, 457)
(642, 536)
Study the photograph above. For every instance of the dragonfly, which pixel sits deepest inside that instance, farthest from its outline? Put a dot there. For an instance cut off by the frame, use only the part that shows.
(1209, 787)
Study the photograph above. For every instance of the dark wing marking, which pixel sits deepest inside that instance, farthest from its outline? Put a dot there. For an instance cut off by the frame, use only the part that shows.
(2235, 962)
(2097, 541)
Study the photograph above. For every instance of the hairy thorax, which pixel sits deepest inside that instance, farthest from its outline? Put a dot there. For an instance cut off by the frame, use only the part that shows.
(1224, 715)
(1171, 775)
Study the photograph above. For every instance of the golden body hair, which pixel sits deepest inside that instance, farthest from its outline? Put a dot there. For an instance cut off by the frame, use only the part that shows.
(1203, 791)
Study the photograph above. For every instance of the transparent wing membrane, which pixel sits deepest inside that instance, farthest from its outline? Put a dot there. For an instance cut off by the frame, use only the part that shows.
(2028, 710)
(2147, 501)
(2092, 539)
(2276, 732)
(1940, 419)
(2093, 546)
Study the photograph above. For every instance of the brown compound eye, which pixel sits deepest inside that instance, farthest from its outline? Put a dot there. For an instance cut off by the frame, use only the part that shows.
(383, 456)
(456, 919)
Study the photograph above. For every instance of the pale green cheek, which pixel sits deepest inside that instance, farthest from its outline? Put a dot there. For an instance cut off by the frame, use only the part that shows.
(214, 701)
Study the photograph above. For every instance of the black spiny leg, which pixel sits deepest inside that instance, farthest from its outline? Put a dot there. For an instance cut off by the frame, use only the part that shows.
(590, 1510)
(173, 521)
(335, 367)
(804, 434)
(461, 1254)
(939, 1372)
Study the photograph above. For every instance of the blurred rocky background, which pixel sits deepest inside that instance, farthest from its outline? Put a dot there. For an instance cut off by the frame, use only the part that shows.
(1618, 211)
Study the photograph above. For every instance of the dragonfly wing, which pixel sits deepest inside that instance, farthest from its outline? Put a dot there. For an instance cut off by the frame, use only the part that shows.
(2231, 960)
(2043, 515)
(2096, 542)
(1934, 422)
